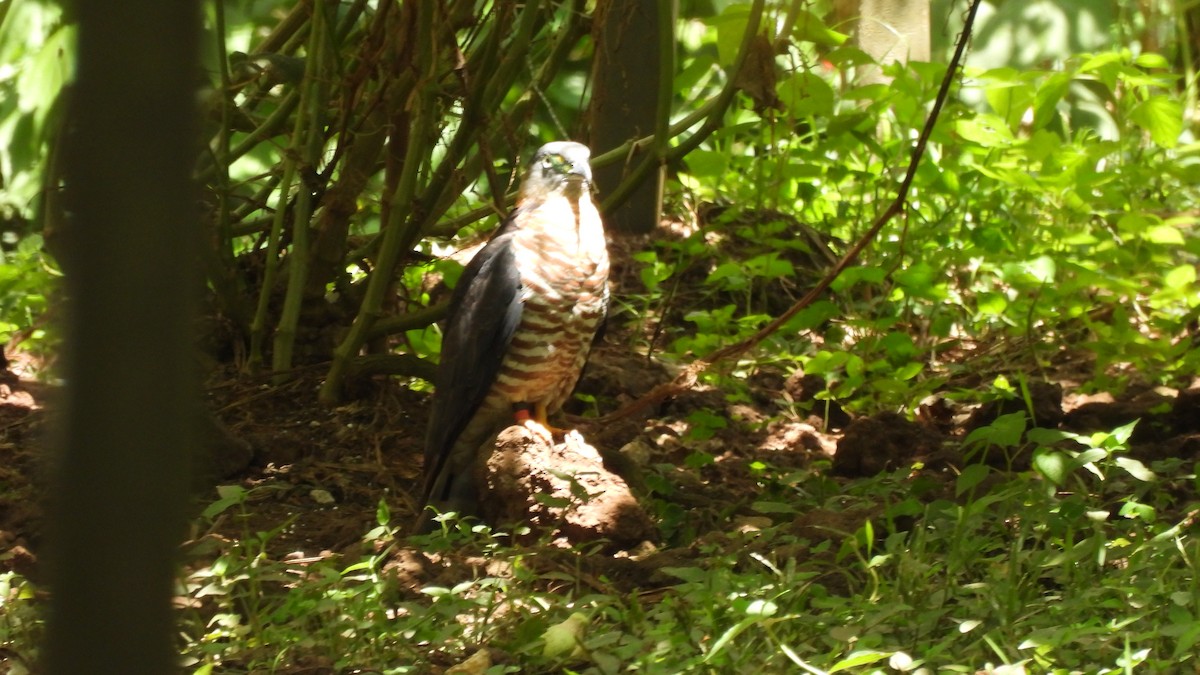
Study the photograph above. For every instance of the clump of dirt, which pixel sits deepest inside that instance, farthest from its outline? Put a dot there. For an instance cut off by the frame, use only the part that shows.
(563, 487)
(1045, 407)
(885, 442)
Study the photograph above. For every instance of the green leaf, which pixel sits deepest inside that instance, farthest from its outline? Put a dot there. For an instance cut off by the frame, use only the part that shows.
(1049, 94)
(972, 475)
(39, 85)
(861, 658)
(988, 131)
(706, 163)
(919, 279)
(565, 639)
(1136, 469)
(1151, 60)
(899, 346)
(991, 304)
(1138, 510)
(806, 94)
(730, 273)
(1052, 465)
(769, 266)
(731, 26)
(1009, 98)
(1089, 456)
(1005, 432)
(1162, 117)
(809, 27)
(228, 495)
(1123, 433)
(1180, 277)
(1098, 61)
(1164, 234)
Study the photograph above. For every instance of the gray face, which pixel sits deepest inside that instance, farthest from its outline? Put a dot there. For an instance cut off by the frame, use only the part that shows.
(560, 163)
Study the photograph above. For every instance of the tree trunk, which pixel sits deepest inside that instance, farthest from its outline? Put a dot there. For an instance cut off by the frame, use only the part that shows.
(625, 81)
(889, 30)
(119, 491)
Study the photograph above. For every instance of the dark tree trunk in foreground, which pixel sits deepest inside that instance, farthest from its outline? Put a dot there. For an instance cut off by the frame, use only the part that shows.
(624, 102)
(118, 496)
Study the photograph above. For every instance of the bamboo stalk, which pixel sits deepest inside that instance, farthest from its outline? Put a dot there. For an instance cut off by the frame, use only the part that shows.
(401, 203)
(309, 134)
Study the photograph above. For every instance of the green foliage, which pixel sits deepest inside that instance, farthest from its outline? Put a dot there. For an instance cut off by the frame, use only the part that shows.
(26, 280)
(21, 622)
(36, 48)
(1022, 224)
(1004, 569)
(1054, 212)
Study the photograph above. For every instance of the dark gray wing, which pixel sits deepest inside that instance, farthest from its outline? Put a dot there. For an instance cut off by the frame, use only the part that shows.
(485, 311)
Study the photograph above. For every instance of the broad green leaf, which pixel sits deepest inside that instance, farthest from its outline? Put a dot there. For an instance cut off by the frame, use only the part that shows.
(1042, 269)
(1180, 277)
(1123, 433)
(1049, 94)
(908, 371)
(1138, 510)
(1151, 60)
(730, 274)
(1162, 117)
(1136, 223)
(1009, 99)
(917, 278)
(39, 85)
(898, 345)
(1164, 234)
(805, 95)
(706, 163)
(1090, 456)
(1052, 465)
(769, 266)
(228, 495)
(565, 639)
(972, 475)
(1136, 469)
(731, 27)
(1005, 432)
(988, 131)
(1098, 61)
(991, 304)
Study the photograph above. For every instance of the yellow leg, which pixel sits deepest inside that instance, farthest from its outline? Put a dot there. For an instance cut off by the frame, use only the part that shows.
(536, 422)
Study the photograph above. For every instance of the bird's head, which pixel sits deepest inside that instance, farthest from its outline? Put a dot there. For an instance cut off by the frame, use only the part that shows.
(558, 166)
